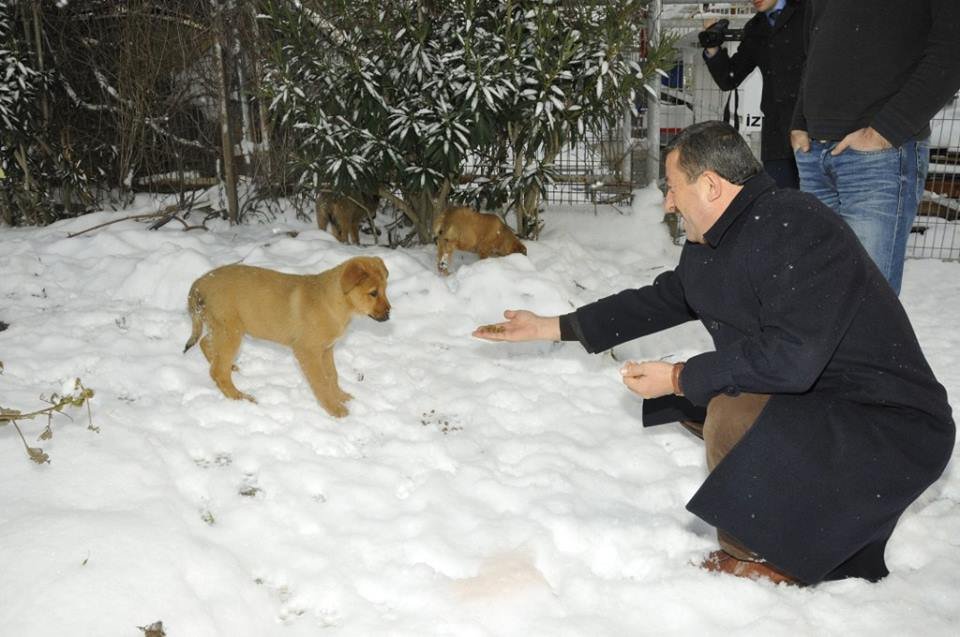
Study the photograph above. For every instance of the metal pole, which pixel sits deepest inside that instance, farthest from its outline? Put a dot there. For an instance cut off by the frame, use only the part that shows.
(626, 135)
(653, 96)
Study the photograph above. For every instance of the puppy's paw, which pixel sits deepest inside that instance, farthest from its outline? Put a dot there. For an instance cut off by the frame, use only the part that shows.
(248, 397)
(337, 411)
(344, 396)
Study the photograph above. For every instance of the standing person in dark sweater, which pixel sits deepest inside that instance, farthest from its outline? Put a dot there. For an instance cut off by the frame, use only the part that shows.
(876, 73)
(823, 418)
(773, 41)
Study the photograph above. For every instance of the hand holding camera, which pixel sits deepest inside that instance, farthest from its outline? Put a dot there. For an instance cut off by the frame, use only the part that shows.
(718, 33)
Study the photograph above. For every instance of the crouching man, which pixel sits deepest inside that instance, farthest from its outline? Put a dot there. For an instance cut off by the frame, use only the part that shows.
(822, 419)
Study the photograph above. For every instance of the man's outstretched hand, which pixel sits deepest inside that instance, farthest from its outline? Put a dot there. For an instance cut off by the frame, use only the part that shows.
(521, 325)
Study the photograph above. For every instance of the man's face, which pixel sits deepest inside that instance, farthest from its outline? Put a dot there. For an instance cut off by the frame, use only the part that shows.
(684, 197)
(764, 5)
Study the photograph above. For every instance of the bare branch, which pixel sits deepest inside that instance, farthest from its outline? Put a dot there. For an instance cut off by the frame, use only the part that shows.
(170, 211)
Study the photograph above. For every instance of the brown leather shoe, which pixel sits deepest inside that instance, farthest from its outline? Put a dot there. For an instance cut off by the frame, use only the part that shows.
(722, 562)
(694, 427)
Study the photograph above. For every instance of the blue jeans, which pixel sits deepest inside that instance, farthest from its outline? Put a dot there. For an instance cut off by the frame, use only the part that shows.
(877, 193)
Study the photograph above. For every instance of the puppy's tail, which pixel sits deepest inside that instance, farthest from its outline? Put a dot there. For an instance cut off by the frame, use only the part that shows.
(195, 307)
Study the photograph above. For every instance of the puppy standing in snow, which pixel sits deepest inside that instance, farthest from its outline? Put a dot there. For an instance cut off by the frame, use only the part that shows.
(479, 232)
(343, 215)
(305, 312)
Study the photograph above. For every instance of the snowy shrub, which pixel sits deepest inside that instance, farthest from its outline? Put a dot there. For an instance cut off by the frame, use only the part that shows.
(42, 175)
(96, 95)
(412, 99)
(18, 88)
(16, 79)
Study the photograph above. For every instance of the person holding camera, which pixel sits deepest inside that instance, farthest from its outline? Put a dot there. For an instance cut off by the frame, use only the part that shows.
(875, 76)
(773, 41)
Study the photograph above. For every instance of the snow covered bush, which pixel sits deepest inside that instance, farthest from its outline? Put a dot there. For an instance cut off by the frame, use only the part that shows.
(411, 99)
(574, 67)
(18, 89)
(16, 79)
(97, 97)
(44, 178)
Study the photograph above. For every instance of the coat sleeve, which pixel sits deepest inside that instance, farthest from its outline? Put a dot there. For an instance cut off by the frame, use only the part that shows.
(729, 71)
(809, 283)
(933, 82)
(799, 120)
(633, 313)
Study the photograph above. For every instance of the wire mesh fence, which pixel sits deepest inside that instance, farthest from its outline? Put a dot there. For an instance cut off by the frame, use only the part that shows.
(936, 232)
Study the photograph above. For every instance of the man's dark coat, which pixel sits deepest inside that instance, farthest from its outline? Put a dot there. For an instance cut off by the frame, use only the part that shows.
(779, 53)
(857, 425)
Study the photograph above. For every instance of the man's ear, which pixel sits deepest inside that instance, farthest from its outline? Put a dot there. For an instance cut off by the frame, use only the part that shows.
(715, 184)
(353, 274)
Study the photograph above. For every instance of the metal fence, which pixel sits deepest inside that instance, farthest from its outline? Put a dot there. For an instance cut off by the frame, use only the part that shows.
(606, 169)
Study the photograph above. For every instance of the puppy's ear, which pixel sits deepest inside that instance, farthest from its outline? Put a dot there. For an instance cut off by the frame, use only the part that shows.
(352, 275)
(382, 267)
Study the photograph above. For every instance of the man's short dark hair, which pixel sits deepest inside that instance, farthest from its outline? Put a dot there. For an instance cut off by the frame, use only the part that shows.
(714, 146)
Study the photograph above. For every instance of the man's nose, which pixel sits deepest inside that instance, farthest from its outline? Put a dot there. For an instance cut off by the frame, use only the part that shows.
(668, 204)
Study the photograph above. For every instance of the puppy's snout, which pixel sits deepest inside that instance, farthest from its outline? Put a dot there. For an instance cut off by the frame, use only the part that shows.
(381, 314)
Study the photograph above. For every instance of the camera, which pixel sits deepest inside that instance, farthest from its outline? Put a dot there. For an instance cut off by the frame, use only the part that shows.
(718, 33)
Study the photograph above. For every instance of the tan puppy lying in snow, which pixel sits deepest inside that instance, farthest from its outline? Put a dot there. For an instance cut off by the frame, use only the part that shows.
(479, 232)
(305, 312)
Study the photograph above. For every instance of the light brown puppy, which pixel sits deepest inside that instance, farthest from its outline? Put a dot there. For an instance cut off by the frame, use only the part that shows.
(466, 229)
(345, 214)
(305, 312)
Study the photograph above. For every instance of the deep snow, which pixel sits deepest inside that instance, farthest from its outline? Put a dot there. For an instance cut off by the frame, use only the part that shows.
(474, 489)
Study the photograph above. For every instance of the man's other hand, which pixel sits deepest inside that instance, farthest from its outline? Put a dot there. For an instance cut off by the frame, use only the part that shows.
(800, 141)
(864, 140)
(650, 379)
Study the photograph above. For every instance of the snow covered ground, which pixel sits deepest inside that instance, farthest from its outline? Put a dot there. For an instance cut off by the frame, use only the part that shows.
(475, 488)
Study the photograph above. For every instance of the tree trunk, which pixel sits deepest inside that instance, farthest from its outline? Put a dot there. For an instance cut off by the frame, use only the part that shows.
(264, 151)
(44, 102)
(6, 206)
(527, 207)
(246, 120)
(421, 202)
(226, 133)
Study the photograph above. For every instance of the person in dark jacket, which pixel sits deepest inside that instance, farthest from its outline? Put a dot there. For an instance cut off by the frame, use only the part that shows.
(876, 73)
(823, 419)
(773, 41)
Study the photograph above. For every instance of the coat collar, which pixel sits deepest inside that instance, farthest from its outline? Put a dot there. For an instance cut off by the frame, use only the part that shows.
(752, 189)
(785, 14)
